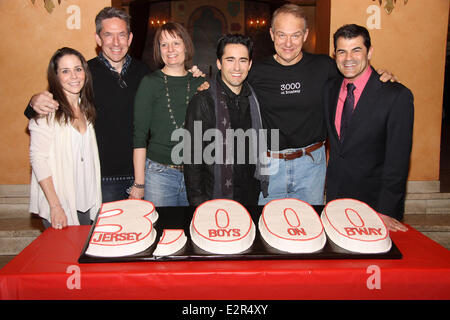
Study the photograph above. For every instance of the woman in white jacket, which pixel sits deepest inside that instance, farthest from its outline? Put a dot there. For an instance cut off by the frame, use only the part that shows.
(65, 182)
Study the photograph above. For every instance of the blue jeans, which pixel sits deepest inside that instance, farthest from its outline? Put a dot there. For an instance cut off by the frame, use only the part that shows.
(164, 186)
(302, 178)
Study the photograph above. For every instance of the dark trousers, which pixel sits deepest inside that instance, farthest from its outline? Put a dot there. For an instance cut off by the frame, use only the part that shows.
(114, 189)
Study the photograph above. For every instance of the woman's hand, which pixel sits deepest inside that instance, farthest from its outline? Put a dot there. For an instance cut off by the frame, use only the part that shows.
(136, 193)
(58, 217)
(137, 189)
(203, 86)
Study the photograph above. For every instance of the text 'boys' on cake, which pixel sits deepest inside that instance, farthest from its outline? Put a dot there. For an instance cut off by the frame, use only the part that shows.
(222, 226)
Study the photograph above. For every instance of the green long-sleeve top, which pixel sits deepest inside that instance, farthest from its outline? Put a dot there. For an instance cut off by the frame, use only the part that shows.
(153, 126)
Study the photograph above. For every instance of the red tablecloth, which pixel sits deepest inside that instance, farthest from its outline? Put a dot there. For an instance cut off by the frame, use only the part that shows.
(48, 269)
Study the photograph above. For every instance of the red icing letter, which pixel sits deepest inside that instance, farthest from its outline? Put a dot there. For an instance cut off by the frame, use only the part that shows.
(350, 231)
(212, 233)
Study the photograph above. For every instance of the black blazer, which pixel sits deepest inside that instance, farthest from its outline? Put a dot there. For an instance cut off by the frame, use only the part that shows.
(372, 163)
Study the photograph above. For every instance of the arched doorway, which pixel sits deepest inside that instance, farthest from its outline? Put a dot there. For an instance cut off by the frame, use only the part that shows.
(206, 24)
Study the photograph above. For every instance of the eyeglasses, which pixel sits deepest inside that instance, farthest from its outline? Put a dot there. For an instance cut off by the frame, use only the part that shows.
(120, 81)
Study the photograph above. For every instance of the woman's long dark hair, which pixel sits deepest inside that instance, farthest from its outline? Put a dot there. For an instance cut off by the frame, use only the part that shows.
(64, 114)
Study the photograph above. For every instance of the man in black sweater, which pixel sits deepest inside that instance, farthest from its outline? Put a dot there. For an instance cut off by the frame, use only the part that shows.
(116, 77)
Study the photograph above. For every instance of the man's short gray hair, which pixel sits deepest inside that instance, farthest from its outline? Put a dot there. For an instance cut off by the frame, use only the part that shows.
(108, 13)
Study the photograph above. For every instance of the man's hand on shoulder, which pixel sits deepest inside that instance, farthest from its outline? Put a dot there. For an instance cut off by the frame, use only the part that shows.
(43, 103)
(196, 72)
(386, 76)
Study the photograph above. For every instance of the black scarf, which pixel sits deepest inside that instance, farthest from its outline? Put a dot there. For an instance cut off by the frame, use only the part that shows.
(223, 171)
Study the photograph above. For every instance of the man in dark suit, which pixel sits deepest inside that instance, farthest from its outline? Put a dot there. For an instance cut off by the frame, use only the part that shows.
(370, 126)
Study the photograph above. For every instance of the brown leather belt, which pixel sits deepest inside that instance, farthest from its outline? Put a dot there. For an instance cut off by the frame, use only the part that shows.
(176, 167)
(297, 154)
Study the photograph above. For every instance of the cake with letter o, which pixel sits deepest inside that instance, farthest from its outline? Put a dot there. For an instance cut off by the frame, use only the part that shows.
(123, 228)
(172, 240)
(355, 226)
(292, 226)
(222, 226)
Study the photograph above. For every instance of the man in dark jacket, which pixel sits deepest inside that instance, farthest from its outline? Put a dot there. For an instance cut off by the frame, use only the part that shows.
(228, 167)
(370, 126)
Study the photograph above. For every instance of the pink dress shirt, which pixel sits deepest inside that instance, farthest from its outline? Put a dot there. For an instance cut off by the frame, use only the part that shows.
(359, 83)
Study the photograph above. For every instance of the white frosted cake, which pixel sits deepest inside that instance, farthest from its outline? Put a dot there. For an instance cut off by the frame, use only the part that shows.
(171, 241)
(222, 226)
(292, 225)
(123, 228)
(354, 226)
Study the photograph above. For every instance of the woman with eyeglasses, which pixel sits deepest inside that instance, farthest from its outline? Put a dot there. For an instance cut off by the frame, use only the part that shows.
(160, 108)
(65, 181)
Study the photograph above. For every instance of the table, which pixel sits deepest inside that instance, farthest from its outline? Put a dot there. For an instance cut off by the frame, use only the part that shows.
(48, 269)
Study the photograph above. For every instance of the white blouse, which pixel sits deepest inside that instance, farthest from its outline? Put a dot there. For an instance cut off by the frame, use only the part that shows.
(51, 154)
(84, 170)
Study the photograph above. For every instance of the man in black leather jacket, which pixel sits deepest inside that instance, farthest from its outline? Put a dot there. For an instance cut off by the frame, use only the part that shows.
(216, 169)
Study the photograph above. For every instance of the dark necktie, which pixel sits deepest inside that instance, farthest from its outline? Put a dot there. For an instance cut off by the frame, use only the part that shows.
(347, 110)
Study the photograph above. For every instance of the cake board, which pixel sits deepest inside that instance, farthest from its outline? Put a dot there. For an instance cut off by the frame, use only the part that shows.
(180, 218)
